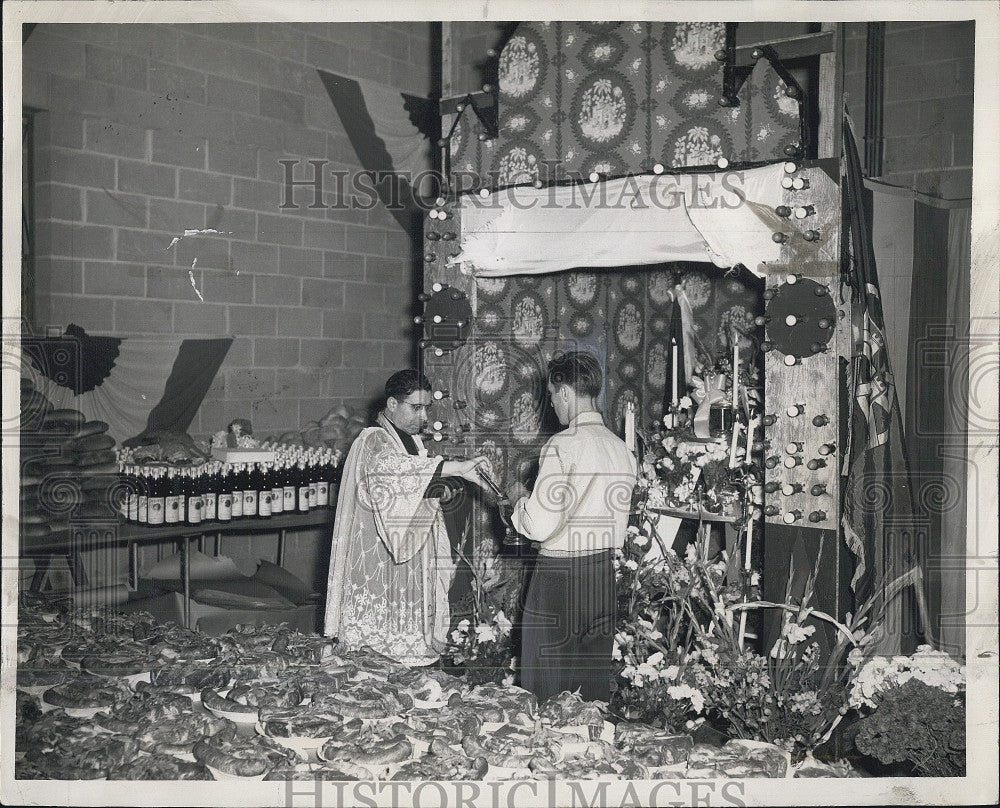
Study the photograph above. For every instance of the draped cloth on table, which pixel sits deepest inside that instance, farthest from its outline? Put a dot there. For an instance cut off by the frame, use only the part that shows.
(634, 220)
(390, 565)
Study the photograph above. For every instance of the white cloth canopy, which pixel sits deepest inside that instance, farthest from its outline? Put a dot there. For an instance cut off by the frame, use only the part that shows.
(634, 220)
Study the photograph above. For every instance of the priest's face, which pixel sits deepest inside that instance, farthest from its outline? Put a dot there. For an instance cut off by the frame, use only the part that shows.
(410, 412)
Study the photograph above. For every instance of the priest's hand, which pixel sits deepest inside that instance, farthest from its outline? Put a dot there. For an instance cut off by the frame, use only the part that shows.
(467, 470)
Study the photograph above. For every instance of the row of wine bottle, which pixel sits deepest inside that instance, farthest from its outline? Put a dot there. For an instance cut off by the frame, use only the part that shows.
(221, 492)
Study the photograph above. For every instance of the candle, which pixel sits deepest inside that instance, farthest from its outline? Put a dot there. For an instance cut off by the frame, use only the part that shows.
(676, 392)
(736, 365)
(630, 427)
(737, 426)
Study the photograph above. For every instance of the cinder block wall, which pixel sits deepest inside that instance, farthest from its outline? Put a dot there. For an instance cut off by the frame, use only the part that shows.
(148, 130)
(928, 105)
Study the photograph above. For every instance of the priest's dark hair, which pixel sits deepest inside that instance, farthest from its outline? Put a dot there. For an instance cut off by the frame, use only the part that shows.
(578, 369)
(403, 382)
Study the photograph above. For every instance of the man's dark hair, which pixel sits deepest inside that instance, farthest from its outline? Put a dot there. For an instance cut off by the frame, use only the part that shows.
(400, 384)
(578, 369)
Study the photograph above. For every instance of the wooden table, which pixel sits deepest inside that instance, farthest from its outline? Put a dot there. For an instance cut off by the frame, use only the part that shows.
(95, 534)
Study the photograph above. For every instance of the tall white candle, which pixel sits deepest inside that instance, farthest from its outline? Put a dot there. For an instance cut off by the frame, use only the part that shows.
(676, 391)
(630, 427)
(736, 367)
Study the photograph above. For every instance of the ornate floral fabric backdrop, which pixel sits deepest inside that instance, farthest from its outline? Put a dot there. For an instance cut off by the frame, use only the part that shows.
(611, 97)
(615, 97)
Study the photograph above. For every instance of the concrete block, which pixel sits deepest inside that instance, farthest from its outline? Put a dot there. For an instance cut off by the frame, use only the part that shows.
(143, 246)
(275, 415)
(904, 47)
(252, 256)
(343, 266)
(324, 54)
(218, 56)
(300, 78)
(300, 322)
(170, 283)
(114, 208)
(209, 254)
(282, 105)
(320, 293)
(311, 410)
(80, 168)
(282, 40)
(227, 287)
(324, 235)
(201, 319)
(182, 82)
(277, 352)
(46, 51)
(143, 316)
(114, 279)
(232, 158)
(251, 383)
(366, 241)
(75, 240)
(385, 326)
(96, 33)
(240, 353)
(149, 40)
(300, 263)
(363, 296)
(231, 222)
(177, 150)
(949, 40)
(257, 195)
(961, 152)
(78, 95)
(252, 130)
(343, 324)
(387, 271)
(952, 114)
(252, 321)
(54, 201)
(199, 186)
(239, 96)
(147, 178)
(116, 67)
(297, 383)
(320, 353)
(303, 144)
(91, 314)
(175, 216)
(34, 88)
(285, 230)
(277, 290)
(58, 276)
(362, 354)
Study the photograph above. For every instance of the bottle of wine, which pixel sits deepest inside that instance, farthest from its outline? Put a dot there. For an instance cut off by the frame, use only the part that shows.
(172, 507)
(250, 491)
(277, 488)
(313, 480)
(303, 487)
(133, 494)
(322, 481)
(210, 492)
(239, 486)
(264, 491)
(288, 489)
(195, 503)
(224, 499)
(157, 501)
(142, 505)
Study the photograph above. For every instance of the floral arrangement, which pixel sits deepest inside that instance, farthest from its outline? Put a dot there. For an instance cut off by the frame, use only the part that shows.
(913, 710)
(918, 724)
(481, 647)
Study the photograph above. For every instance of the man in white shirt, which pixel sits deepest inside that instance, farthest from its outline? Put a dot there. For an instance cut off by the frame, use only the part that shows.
(578, 512)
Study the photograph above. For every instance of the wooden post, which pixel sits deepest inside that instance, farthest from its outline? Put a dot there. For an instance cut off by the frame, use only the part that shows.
(831, 94)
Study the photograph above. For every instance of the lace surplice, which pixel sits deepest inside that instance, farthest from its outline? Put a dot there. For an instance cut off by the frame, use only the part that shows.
(390, 565)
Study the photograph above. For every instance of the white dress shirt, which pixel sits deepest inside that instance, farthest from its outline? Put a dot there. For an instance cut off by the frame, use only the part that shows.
(581, 500)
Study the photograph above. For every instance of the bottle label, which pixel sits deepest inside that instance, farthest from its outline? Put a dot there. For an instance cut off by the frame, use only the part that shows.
(264, 503)
(303, 498)
(156, 511)
(249, 503)
(181, 508)
(142, 509)
(277, 500)
(322, 493)
(312, 495)
(194, 509)
(133, 506)
(123, 508)
(225, 507)
(288, 498)
(172, 512)
(210, 505)
(237, 504)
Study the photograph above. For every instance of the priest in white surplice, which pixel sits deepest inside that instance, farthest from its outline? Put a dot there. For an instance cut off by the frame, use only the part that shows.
(391, 563)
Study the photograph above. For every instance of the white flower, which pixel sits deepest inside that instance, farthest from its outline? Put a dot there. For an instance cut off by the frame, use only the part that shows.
(646, 671)
(640, 540)
(456, 637)
(616, 651)
(655, 659)
(508, 680)
(503, 624)
(682, 691)
(796, 633)
(485, 634)
(632, 564)
(463, 625)
(685, 403)
(628, 672)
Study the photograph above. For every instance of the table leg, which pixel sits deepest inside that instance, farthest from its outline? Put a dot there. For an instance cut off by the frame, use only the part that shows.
(281, 548)
(133, 565)
(217, 544)
(201, 543)
(186, 578)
